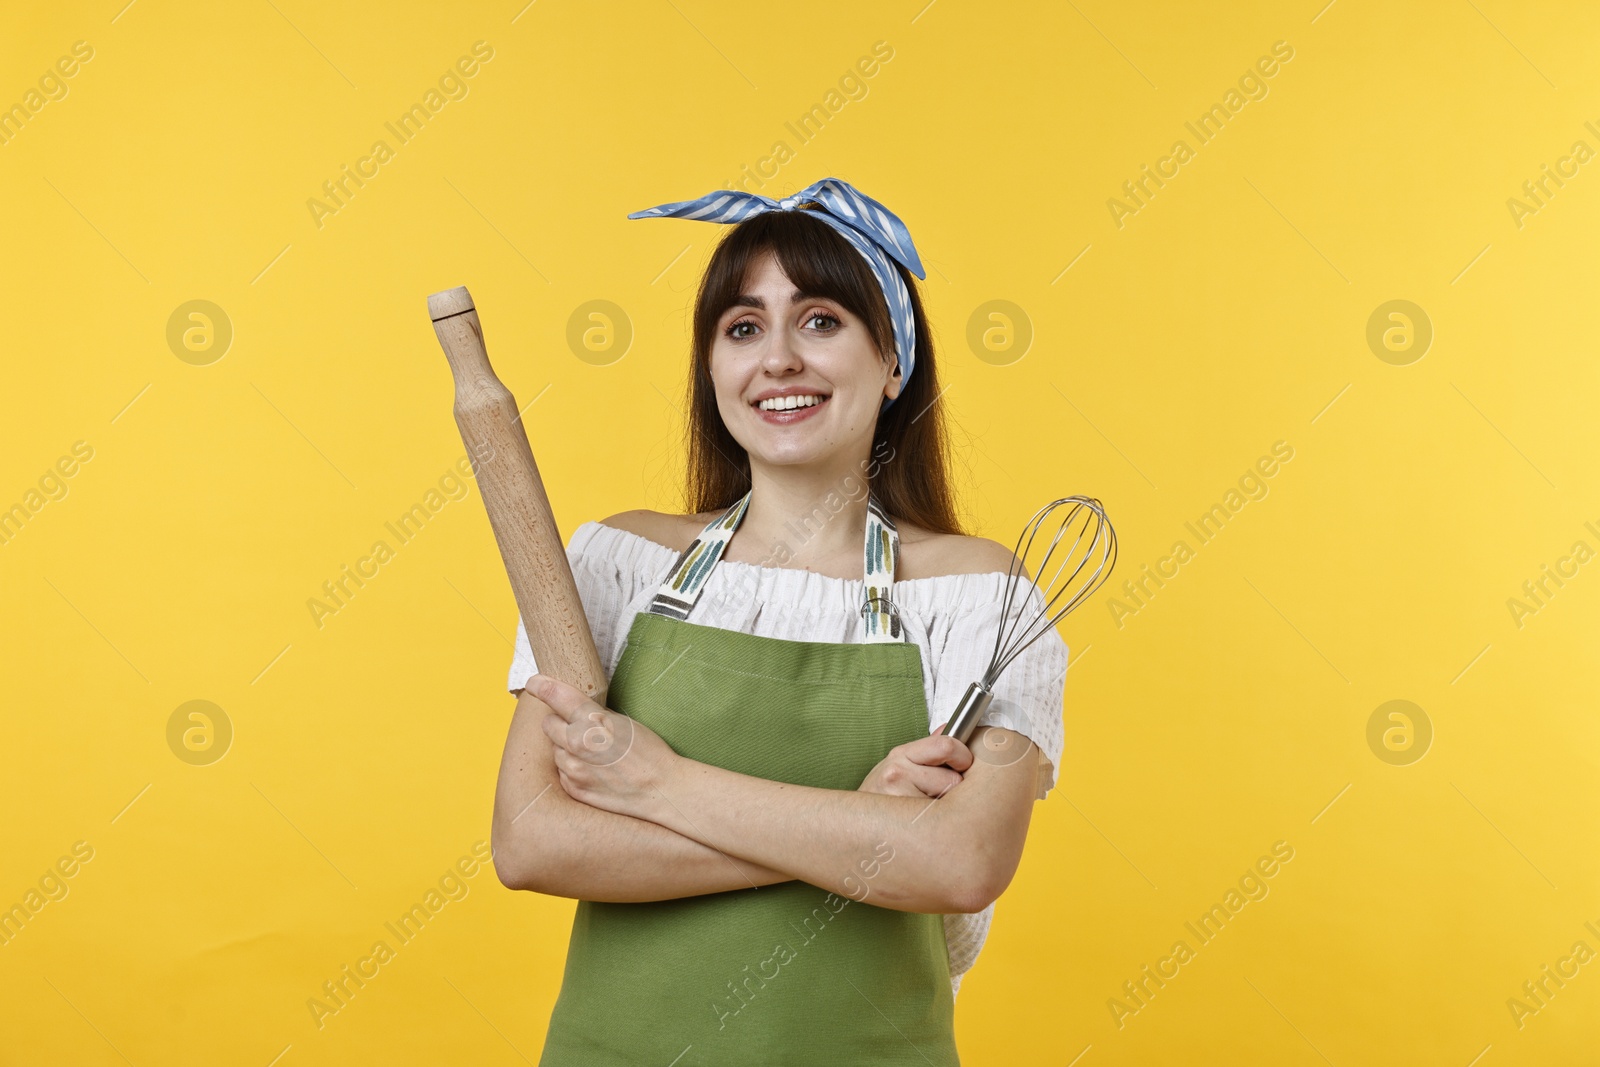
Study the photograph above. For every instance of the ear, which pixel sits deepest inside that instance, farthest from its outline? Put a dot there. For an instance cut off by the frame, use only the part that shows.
(895, 383)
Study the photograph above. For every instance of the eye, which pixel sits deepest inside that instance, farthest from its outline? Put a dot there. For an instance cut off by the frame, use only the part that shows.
(830, 321)
(741, 329)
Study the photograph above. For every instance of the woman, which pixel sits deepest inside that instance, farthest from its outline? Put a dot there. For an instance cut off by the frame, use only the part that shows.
(777, 857)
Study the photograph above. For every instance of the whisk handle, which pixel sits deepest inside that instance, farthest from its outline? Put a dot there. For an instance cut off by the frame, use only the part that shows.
(968, 712)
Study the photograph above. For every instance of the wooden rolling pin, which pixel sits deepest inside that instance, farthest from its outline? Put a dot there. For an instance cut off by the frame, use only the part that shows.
(514, 496)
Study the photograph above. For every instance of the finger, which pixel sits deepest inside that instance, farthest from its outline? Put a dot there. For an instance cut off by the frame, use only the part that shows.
(937, 750)
(566, 764)
(957, 755)
(901, 786)
(934, 781)
(938, 729)
(561, 698)
(555, 728)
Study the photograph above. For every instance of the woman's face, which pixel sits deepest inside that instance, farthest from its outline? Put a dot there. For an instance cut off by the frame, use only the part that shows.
(777, 342)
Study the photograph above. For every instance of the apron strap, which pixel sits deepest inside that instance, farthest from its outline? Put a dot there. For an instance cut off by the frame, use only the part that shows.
(677, 595)
(880, 619)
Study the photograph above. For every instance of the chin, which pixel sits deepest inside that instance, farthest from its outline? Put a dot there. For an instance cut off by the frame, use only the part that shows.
(799, 456)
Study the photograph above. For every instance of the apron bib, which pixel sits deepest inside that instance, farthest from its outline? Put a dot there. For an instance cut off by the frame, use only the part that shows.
(785, 974)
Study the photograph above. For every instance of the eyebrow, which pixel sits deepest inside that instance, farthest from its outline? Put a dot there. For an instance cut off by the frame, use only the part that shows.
(750, 300)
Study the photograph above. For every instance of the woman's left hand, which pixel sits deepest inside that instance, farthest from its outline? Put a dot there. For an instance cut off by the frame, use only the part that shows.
(604, 759)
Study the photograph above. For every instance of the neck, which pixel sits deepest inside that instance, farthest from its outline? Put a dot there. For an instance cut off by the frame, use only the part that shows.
(806, 517)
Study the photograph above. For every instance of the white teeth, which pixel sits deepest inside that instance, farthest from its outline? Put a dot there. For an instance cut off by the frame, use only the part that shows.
(784, 403)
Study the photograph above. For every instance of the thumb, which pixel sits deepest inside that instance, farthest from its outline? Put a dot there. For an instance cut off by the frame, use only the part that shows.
(938, 729)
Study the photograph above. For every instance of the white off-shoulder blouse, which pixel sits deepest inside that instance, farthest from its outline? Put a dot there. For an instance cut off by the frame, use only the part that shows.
(953, 618)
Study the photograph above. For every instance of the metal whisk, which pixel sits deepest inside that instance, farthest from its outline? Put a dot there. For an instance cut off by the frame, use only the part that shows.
(1090, 564)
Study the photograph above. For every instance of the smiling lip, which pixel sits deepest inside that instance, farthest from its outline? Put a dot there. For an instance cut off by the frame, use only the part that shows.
(784, 418)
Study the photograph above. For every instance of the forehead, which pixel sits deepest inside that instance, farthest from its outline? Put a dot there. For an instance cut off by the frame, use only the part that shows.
(766, 285)
(765, 272)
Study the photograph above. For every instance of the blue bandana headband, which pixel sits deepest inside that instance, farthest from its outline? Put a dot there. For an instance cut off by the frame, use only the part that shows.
(872, 229)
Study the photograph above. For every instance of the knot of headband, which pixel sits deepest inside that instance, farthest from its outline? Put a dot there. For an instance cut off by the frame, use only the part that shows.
(872, 229)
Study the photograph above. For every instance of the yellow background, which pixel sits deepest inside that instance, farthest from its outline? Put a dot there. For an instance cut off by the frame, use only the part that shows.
(1228, 314)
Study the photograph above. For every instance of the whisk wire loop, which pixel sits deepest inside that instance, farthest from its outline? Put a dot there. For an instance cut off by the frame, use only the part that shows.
(1085, 517)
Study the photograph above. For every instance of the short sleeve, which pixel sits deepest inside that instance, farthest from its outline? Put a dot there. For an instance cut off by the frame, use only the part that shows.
(1029, 693)
(606, 569)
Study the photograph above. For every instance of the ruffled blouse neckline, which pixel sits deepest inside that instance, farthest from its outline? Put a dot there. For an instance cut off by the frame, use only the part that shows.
(785, 583)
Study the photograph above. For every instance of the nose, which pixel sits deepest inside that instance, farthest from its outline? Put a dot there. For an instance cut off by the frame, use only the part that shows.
(782, 353)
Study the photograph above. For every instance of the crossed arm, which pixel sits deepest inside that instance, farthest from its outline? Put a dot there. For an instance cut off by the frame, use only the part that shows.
(591, 804)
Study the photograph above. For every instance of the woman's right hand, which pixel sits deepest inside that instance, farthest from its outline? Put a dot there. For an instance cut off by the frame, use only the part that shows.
(927, 767)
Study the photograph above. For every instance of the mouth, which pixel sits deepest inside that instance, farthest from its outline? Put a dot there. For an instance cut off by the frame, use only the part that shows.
(783, 410)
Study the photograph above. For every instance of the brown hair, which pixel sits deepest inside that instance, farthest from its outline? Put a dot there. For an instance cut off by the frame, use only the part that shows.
(910, 452)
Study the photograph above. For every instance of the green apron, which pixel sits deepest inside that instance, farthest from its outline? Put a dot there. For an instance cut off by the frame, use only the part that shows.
(770, 975)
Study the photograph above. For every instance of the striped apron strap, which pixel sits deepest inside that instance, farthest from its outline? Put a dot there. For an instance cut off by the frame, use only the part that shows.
(880, 619)
(677, 595)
